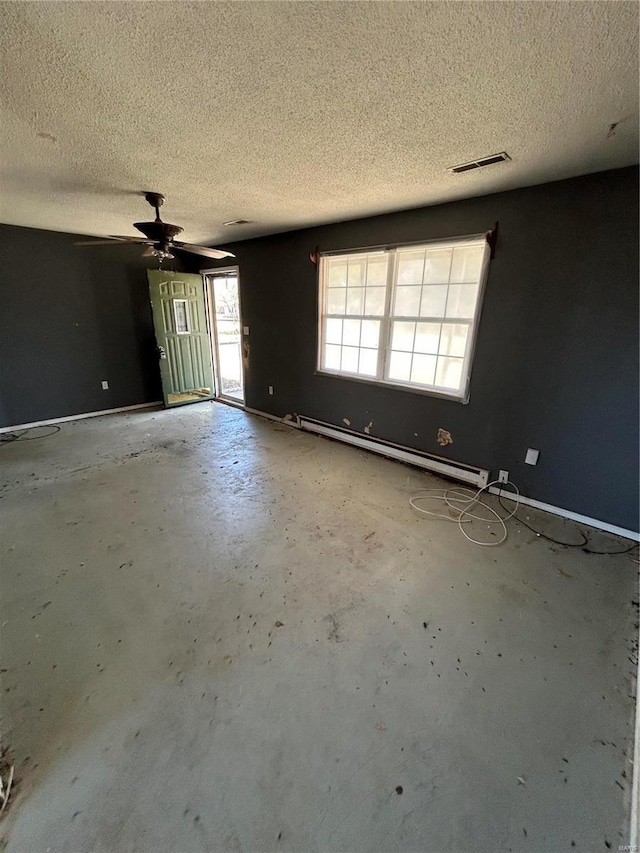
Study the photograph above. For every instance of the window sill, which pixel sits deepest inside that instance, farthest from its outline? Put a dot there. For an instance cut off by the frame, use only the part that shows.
(396, 386)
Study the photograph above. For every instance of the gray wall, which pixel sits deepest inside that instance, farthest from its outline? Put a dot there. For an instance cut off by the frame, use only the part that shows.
(556, 365)
(69, 318)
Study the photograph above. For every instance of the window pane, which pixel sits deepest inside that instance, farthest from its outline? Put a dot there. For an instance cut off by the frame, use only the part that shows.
(333, 332)
(461, 301)
(403, 336)
(337, 273)
(434, 298)
(423, 369)
(400, 366)
(437, 266)
(331, 357)
(449, 372)
(356, 272)
(351, 333)
(368, 362)
(374, 301)
(335, 300)
(410, 267)
(453, 340)
(355, 300)
(370, 333)
(467, 263)
(350, 359)
(377, 272)
(407, 301)
(427, 337)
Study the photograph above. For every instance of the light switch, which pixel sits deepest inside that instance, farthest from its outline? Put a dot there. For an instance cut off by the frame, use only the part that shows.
(245, 330)
(105, 385)
(532, 456)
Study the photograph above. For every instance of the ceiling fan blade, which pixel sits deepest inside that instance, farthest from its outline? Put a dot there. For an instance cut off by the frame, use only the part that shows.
(111, 241)
(204, 250)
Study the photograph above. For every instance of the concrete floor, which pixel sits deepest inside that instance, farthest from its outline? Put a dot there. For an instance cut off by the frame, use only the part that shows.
(213, 639)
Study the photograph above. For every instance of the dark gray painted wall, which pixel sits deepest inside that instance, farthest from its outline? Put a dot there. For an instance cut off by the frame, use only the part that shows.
(556, 365)
(69, 318)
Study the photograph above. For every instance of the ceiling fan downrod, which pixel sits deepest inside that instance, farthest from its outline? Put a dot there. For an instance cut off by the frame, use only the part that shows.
(156, 200)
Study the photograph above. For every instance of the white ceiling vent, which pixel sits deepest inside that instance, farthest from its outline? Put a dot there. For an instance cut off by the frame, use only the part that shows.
(238, 222)
(477, 164)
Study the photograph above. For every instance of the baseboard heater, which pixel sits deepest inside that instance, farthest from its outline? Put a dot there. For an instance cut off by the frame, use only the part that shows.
(447, 468)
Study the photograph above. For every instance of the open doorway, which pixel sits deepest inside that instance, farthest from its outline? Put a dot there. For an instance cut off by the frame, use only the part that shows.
(226, 327)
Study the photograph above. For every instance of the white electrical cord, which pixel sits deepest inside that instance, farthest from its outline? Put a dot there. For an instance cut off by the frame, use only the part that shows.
(462, 501)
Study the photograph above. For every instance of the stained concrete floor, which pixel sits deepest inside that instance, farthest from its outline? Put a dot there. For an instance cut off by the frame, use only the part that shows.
(222, 634)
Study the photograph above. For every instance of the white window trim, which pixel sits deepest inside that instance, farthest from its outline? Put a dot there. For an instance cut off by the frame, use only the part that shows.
(385, 331)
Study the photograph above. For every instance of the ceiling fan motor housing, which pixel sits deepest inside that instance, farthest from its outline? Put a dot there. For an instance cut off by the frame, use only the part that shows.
(159, 232)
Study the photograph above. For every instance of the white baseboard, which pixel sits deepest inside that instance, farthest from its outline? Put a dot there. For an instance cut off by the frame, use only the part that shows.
(291, 422)
(81, 416)
(572, 516)
(457, 470)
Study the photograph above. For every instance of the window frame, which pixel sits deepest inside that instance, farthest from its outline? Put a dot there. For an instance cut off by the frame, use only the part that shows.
(386, 319)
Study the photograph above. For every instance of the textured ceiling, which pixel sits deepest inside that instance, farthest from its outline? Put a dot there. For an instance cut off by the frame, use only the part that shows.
(290, 114)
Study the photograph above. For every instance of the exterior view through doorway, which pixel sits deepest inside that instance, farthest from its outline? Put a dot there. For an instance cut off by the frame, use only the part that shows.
(226, 332)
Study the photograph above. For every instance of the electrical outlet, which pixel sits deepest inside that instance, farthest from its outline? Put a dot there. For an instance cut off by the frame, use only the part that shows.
(503, 477)
(532, 456)
(271, 390)
(105, 385)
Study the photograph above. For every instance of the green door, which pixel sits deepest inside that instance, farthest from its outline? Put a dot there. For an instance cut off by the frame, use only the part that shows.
(179, 318)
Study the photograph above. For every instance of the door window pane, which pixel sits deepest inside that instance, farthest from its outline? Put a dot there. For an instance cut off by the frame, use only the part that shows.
(181, 315)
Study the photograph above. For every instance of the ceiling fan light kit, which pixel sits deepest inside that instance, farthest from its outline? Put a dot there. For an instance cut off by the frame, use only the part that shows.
(159, 237)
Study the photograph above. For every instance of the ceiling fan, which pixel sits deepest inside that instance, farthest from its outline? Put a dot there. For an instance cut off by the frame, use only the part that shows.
(159, 237)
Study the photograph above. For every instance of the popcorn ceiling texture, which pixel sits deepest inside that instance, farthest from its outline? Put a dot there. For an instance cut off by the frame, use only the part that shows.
(291, 114)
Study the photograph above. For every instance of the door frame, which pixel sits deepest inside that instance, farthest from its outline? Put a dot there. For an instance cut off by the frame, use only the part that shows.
(207, 276)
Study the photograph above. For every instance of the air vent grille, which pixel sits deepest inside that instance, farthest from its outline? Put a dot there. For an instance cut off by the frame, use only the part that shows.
(478, 164)
(238, 222)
